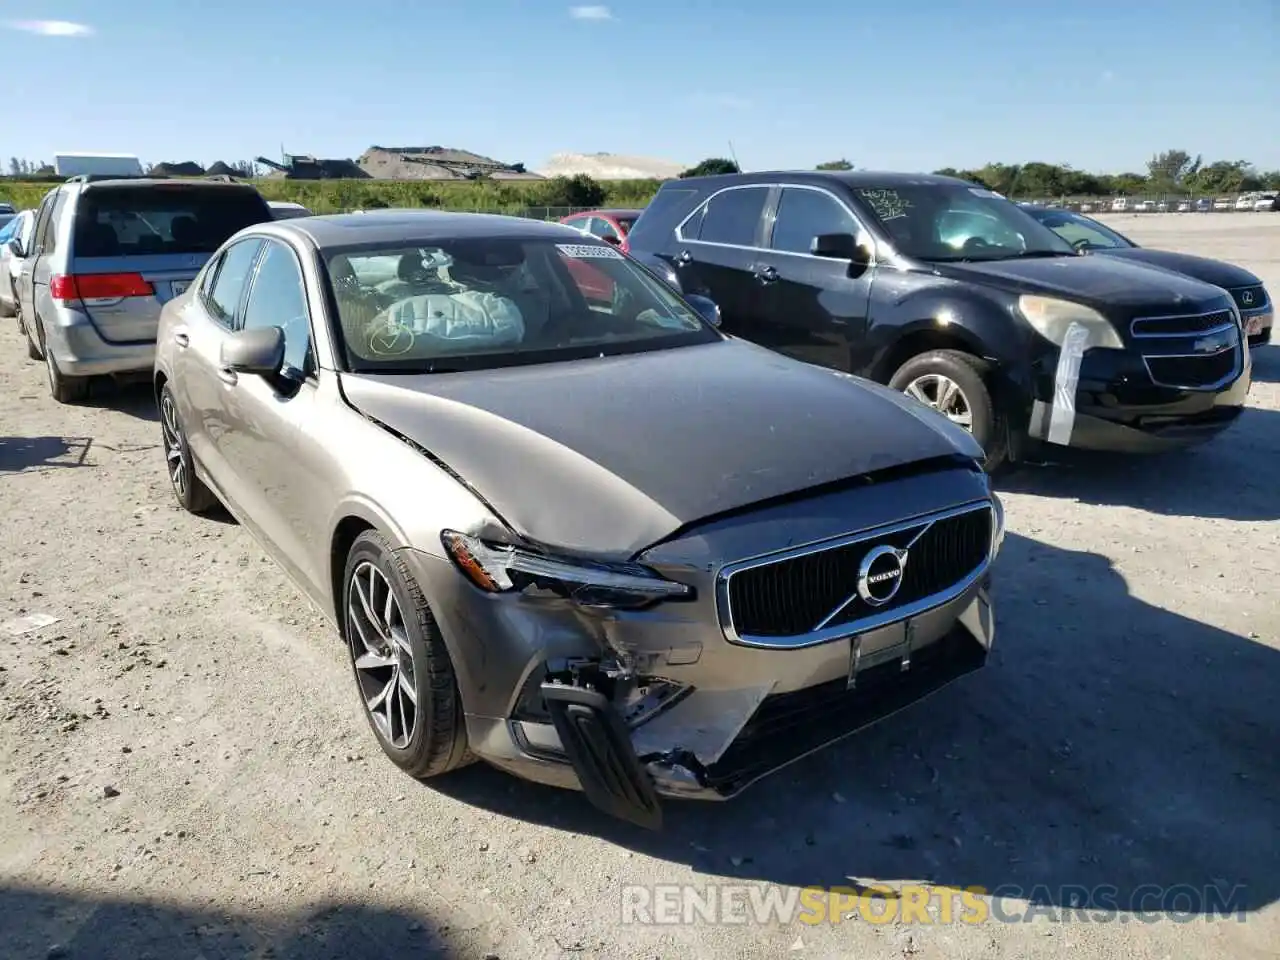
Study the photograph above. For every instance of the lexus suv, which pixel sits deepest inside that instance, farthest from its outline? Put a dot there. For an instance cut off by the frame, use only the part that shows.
(958, 297)
(106, 254)
(1090, 236)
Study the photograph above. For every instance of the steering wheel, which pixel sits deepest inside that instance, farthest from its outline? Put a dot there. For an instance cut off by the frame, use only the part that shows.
(976, 244)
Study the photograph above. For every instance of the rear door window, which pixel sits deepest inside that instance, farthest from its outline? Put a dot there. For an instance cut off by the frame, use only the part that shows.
(228, 286)
(142, 221)
(733, 217)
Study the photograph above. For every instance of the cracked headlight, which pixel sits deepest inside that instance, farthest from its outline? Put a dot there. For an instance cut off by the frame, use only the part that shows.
(499, 568)
(1052, 318)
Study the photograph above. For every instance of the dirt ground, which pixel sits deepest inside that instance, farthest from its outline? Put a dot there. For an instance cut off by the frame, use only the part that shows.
(185, 772)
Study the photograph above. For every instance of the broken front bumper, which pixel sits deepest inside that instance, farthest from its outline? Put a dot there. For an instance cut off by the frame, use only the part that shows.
(713, 743)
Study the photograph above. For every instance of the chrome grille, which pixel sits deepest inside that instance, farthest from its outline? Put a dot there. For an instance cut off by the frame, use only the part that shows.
(810, 594)
(1196, 371)
(1194, 352)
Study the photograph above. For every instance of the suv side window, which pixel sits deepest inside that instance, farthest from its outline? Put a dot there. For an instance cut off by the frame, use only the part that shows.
(805, 214)
(278, 298)
(230, 280)
(55, 215)
(733, 216)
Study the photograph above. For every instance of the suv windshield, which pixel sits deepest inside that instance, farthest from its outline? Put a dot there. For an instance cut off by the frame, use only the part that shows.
(942, 222)
(139, 220)
(476, 304)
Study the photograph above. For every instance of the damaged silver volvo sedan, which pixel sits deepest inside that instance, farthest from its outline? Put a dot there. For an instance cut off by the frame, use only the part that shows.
(561, 522)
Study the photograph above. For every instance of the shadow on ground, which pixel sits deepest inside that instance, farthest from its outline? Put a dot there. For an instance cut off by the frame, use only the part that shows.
(1188, 483)
(37, 924)
(1108, 746)
(1266, 363)
(43, 453)
(133, 397)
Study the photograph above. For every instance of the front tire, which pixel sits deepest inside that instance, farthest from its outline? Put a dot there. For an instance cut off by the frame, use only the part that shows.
(402, 668)
(188, 489)
(951, 382)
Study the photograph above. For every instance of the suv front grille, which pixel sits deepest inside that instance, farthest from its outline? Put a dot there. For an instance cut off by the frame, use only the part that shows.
(1197, 372)
(1180, 326)
(800, 596)
(1250, 298)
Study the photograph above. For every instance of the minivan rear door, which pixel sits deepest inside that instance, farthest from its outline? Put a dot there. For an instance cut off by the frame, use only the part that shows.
(136, 246)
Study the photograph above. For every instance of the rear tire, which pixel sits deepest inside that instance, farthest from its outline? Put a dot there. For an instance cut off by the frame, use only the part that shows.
(64, 389)
(955, 378)
(403, 656)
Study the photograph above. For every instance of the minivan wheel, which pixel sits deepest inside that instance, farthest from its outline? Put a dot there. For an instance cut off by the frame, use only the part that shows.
(64, 389)
(402, 668)
(33, 348)
(189, 490)
(950, 381)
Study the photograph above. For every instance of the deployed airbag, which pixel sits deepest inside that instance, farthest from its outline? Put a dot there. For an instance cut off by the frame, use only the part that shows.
(468, 317)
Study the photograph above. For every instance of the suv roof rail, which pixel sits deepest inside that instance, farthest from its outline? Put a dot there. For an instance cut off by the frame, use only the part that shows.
(221, 178)
(97, 177)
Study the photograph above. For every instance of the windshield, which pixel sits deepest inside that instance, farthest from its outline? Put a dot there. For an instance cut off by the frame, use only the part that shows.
(476, 304)
(1081, 232)
(942, 222)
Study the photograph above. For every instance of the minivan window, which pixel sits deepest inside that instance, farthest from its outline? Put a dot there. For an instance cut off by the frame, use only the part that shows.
(733, 217)
(162, 219)
(805, 214)
(55, 214)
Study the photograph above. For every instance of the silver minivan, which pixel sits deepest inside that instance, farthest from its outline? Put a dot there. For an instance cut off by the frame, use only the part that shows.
(106, 255)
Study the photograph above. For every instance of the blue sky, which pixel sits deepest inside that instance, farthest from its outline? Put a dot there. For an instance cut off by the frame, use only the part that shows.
(919, 85)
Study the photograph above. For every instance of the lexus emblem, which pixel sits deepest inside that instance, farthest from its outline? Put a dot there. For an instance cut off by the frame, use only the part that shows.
(1247, 298)
(880, 574)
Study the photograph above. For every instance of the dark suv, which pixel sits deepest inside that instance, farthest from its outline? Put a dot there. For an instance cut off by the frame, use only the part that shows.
(954, 295)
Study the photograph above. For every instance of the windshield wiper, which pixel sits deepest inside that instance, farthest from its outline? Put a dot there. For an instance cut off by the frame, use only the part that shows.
(1028, 254)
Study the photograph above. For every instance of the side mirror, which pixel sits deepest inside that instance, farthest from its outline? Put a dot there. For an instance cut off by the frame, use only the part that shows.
(260, 351)
(707, 308)
(15, 248)
(837, 246)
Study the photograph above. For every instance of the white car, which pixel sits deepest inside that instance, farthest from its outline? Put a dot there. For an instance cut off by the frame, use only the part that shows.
(19, 229)
(1146, 206)
(1222, 203)
(1244, 203)
(1265, 203)
(1184, 206)
(1119, 205)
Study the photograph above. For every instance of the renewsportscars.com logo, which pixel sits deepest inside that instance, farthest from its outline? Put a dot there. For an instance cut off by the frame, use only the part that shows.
(773, 905)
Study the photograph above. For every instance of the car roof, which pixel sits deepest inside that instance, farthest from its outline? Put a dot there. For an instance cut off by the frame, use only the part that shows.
(850, 178)
(425, 226)
(167, 182)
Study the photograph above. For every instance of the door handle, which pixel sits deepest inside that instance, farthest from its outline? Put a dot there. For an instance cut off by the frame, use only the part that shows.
(684, 256)
(228, 376)
(766, 274)
(181, 339)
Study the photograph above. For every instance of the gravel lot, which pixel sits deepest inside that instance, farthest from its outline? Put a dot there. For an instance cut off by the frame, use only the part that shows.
(184, 770)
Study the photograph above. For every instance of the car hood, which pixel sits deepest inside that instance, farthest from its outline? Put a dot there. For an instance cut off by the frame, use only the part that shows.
(1102, 282)
(610, 455)
(1217, 272)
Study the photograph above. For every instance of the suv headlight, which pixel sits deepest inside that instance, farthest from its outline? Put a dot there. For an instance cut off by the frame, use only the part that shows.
(1052, 318)
(499, 568)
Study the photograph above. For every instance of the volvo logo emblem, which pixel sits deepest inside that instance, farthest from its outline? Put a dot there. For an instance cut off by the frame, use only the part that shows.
(880, 574)
(1247, 298)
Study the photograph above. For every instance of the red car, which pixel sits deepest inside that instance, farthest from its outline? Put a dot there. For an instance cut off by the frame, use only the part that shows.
(609, 225)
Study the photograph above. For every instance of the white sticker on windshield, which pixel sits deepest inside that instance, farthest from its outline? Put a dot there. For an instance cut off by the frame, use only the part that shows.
(588, 251)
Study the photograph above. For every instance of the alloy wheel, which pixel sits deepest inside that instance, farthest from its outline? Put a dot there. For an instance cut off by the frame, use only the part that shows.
(944, 395)
(173, 445)
(382, 654)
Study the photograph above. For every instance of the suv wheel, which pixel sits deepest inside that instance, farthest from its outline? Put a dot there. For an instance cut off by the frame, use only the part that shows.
(402, 669)
(189, 490)
(63, 388)
(950, 381)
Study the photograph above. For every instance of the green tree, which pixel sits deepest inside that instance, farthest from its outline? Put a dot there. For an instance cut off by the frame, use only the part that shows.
(835, 165)
(1169, 171)
(711, 167)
